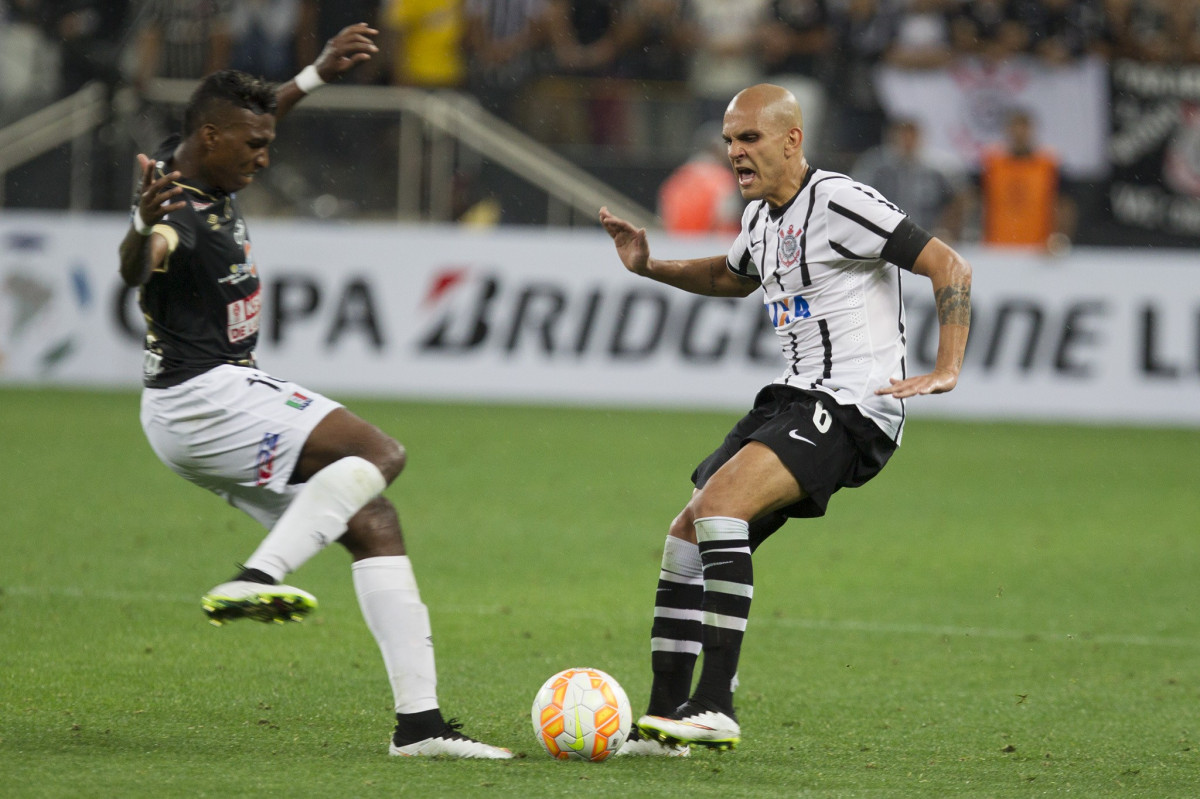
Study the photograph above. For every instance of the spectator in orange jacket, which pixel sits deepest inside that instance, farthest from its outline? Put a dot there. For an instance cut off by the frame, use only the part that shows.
(701, 195)
(1022, 199)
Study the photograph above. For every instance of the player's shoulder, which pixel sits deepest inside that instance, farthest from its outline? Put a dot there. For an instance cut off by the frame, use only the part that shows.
(844, 192)
(826, 183)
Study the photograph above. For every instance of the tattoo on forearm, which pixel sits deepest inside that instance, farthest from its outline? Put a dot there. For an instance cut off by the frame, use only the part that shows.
(712, 280)
(954, 305)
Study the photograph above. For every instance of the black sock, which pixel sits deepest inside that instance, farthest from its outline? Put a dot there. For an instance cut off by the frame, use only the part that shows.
(672, 681)
(255, 576)
(413, 727)
(715, 686)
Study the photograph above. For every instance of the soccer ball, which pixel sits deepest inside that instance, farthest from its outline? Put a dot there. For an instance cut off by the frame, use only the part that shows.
(581, 714)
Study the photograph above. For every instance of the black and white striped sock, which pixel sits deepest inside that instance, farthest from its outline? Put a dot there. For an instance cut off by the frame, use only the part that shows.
(728, 591)
(675, 634)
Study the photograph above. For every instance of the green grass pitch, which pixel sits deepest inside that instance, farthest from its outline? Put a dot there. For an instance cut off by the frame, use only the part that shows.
(1007, 611)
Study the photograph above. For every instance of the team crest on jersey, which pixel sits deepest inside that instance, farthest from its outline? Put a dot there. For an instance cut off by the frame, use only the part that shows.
(789, 247)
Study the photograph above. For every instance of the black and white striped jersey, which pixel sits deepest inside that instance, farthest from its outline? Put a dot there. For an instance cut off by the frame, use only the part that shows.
(828, 263)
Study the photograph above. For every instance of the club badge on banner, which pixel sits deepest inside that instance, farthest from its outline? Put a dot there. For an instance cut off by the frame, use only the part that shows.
(1156, 148)
(962, 108)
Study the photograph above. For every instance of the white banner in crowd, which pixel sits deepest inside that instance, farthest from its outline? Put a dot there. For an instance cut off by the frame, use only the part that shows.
(962, 108)
(552, 317)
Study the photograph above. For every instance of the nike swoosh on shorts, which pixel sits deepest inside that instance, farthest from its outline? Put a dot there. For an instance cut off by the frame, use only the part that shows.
(796, 435)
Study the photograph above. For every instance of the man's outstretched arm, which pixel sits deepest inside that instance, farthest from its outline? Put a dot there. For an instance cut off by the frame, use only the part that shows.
(708, 276)
(352, 46)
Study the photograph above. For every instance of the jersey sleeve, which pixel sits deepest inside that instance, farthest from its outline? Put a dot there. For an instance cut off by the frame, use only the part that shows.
(739, 260)
(177, 228)
(861, 221)
(905, 244)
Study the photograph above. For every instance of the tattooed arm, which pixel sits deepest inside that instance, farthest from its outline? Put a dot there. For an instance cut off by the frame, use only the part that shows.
(951, 277)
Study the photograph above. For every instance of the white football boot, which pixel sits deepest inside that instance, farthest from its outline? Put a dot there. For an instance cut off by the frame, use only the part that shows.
(242, 599)
(450, 743)
(693, 723)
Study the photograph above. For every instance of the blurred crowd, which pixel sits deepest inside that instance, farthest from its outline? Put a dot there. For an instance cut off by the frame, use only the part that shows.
(497, 48)
(586, 58)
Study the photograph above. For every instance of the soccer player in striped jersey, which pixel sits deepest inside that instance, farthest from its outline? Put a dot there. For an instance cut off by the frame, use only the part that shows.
(829, 255)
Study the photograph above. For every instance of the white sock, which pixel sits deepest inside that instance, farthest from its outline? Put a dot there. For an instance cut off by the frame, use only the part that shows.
(387, 593)
(682, 558)
(318, 515)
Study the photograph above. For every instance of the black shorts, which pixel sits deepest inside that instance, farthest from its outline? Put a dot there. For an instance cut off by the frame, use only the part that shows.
(824, 445)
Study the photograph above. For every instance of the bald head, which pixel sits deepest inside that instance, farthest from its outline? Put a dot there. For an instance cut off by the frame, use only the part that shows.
(765, 133)
(773, 105)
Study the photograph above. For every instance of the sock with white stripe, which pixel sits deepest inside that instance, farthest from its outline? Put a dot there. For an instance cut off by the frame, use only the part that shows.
(391, 604)
(317, 516)
(675, 634)
(728, 591)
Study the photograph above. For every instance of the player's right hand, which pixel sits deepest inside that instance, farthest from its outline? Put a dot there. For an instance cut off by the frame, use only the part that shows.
(155, 199)
(632, 246)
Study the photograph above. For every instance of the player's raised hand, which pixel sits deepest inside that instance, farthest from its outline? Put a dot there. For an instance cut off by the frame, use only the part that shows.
(632, 246)
(155, 200)
(352, 45)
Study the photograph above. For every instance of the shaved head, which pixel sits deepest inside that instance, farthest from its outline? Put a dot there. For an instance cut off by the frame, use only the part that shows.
(764, 130)
(774, 105)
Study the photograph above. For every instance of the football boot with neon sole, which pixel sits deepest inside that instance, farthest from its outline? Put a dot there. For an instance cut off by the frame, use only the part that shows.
(694, 722)
(638, 745)
(242, 599)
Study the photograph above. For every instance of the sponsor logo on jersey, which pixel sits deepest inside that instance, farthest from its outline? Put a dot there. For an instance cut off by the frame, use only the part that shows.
(243, 316)
(239, 272)
(264, 464)
(299, 401)
(787, 310)
(201, 205)
(789, 247)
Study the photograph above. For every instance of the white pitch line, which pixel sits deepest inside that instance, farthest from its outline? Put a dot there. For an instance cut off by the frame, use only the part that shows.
(830, 625)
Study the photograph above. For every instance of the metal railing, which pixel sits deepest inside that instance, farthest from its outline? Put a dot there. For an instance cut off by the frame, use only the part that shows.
(435, 126)
(71, 119)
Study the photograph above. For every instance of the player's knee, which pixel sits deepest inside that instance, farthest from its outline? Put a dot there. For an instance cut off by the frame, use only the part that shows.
(374, 531)
(707, 504)
(392, 459)
(682, 527)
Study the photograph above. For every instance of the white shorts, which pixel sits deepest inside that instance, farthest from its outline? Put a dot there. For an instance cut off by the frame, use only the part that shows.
(237, 432)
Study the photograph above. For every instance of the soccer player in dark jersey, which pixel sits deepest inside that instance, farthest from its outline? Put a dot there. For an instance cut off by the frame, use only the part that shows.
(829, 255)
(297, 462)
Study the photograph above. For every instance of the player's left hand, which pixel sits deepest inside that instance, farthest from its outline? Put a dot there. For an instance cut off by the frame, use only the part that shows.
(353, 45)
(936, 382)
